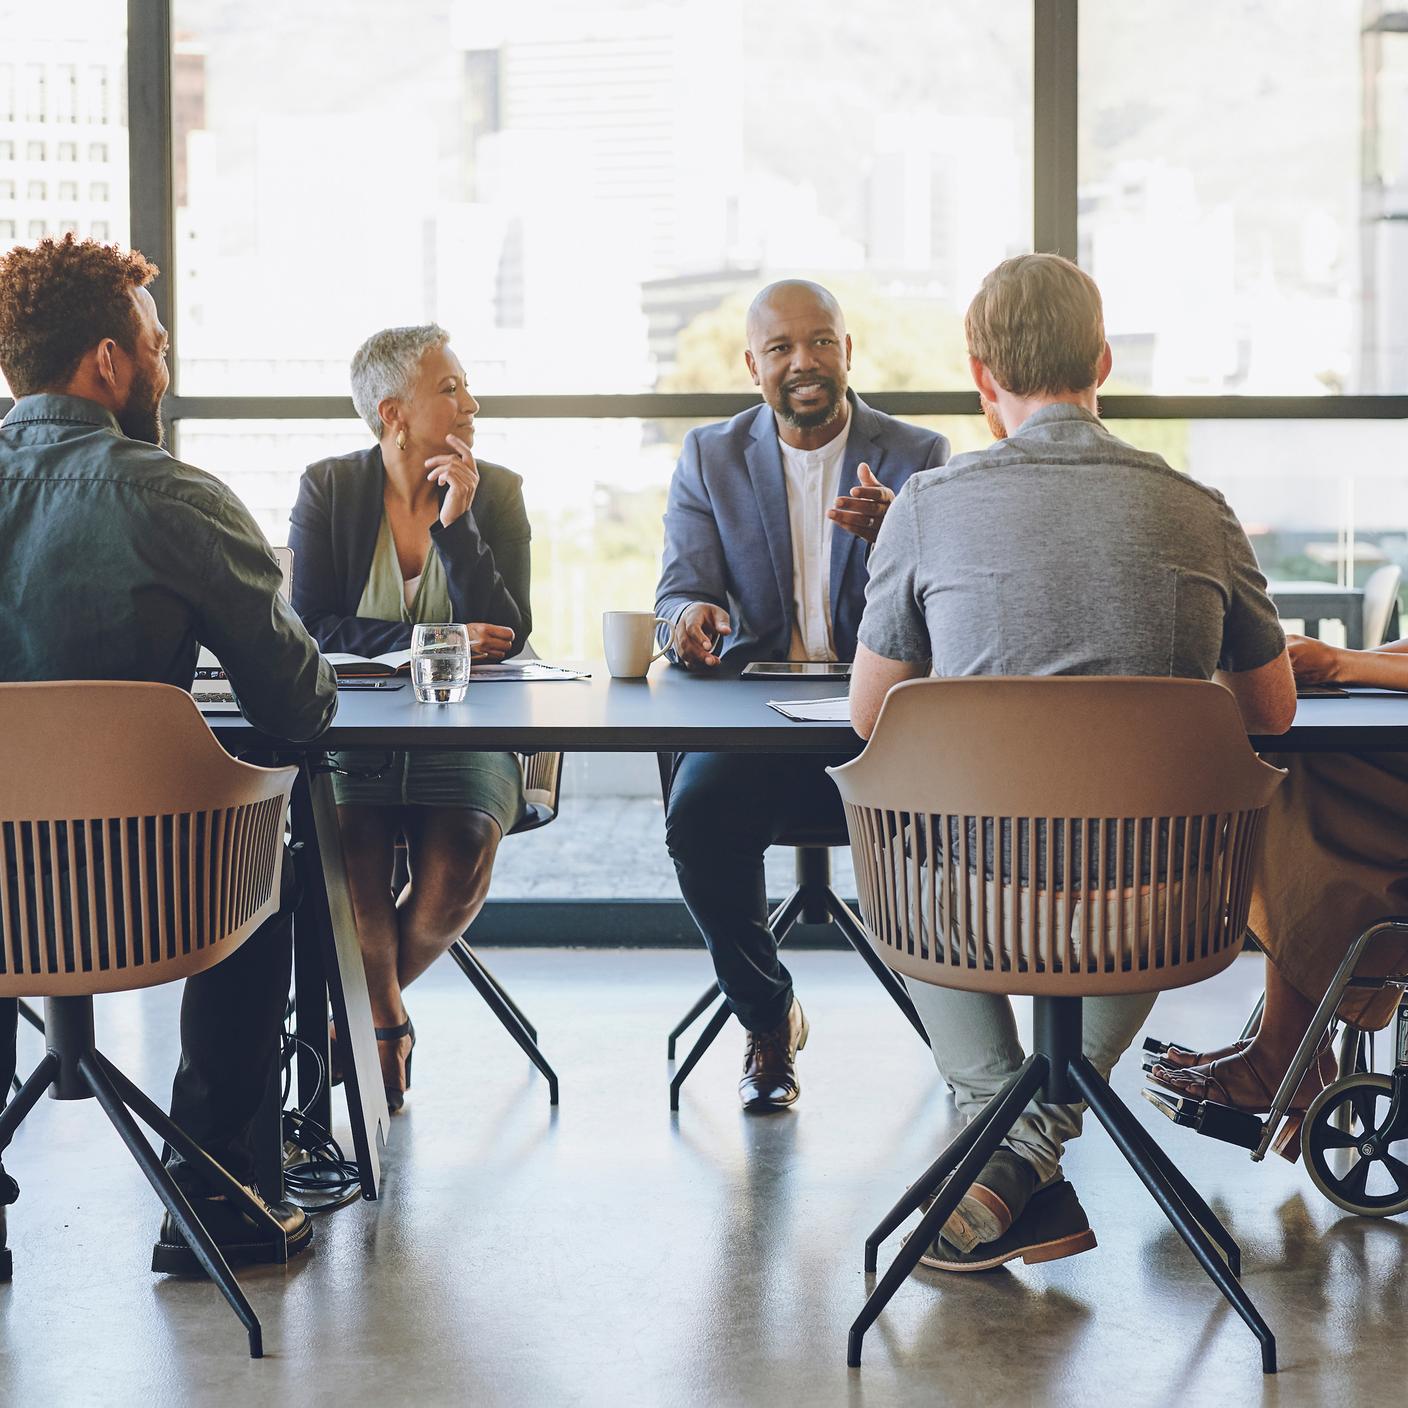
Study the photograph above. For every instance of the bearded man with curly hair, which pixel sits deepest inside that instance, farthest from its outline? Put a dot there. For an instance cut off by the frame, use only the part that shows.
(119, 563)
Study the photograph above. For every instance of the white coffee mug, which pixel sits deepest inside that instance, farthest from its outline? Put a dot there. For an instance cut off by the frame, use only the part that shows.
(628, 638)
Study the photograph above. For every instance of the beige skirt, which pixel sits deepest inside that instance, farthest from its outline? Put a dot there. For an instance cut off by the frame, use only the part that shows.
(1332, 860)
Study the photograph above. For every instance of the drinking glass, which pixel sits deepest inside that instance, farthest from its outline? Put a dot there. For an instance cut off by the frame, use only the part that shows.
(440, 662)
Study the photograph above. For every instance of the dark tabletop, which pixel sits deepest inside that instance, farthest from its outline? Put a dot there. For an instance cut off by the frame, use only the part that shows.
(673, 710)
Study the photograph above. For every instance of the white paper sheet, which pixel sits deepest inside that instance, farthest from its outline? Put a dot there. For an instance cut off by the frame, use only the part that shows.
(524, 670)
(834, 710)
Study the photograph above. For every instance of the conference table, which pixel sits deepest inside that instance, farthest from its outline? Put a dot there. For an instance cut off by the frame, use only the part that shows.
(670, 710)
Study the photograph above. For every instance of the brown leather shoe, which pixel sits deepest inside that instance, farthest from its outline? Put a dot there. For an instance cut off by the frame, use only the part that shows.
(770, 1064)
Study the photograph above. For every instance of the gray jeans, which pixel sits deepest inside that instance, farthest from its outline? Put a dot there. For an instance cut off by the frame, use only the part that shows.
(974, 1038)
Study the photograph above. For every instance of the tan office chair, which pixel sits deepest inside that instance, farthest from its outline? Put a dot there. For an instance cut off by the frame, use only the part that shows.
(542, 791)
(1380, 604)
(133, 851)
(1063, 838)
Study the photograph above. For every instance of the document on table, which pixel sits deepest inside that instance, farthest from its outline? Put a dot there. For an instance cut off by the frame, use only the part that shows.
(835, 710)
(524, 670)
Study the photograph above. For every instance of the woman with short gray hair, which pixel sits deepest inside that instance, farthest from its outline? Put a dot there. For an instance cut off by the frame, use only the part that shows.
(415, 528)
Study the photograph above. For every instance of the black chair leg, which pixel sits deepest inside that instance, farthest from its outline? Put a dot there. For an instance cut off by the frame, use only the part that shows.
(850, 925)
(508, 1019)
(925, 1184)
(992, 1126)
(1192, 1200)
(706, 1039)
(1125, 1130)
(469, 954)
(215, 1173)
(687, 1021)
(197, 1238)
(27, 1097)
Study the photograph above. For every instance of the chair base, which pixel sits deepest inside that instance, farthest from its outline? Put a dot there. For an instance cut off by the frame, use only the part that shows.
(75, 1069)
(1062, 1074)
(505, 1009)
(814, 900)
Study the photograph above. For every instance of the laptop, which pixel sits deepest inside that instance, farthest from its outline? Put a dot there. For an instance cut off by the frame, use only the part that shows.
(210, 689)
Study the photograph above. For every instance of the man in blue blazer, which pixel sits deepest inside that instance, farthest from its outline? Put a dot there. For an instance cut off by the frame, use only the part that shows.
(767, 527)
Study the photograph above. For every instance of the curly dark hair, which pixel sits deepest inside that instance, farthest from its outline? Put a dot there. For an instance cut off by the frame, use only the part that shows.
(58, 300)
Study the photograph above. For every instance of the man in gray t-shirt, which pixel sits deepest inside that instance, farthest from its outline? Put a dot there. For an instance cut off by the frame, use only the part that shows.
(1063, 551)
(1058, 550)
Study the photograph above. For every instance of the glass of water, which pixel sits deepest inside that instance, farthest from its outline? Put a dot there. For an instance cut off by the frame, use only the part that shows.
(440, 662)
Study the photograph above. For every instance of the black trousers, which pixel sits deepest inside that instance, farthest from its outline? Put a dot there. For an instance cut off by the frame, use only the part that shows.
(725, 810)
(231, 1020)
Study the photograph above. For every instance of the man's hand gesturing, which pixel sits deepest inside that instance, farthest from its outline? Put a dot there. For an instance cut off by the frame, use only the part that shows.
(862, 511)
(698, 634)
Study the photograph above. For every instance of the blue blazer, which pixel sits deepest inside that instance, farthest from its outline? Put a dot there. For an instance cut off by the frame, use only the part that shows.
(485, 554)
(728, 540)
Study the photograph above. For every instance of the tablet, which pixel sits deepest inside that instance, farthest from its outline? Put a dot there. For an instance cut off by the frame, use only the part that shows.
(799, 669)
(1305, 690)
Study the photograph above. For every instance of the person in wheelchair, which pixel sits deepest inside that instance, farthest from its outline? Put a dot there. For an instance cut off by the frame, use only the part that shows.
(1332, 860)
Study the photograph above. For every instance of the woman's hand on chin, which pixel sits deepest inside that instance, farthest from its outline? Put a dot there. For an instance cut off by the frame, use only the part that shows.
(458, 474)
(1313, 661)
(488, 643)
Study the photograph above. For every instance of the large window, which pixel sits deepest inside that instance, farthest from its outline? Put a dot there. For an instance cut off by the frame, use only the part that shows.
(1221, 200)
(587, 195)
(44, 189)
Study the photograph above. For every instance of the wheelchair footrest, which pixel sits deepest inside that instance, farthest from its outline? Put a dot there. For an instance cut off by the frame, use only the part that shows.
(1209, 1118)
(1153, 1052)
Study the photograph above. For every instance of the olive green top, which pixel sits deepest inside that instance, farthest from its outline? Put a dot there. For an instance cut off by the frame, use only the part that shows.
(384, 596)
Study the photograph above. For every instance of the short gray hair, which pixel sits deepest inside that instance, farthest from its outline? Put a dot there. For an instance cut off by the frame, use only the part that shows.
(386, 364)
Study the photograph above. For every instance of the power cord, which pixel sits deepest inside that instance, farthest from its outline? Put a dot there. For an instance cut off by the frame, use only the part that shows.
(317, 1178)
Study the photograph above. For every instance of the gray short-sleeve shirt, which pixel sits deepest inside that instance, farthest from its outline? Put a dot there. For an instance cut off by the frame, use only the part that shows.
(1063, 550)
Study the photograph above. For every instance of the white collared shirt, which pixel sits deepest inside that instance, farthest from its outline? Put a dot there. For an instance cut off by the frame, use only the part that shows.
(813, 479)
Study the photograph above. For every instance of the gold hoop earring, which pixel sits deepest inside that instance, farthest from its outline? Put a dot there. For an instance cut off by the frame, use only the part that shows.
(400, 439)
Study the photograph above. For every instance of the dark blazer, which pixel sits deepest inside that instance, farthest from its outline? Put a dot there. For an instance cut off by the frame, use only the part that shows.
(728, 539)
(485, 554)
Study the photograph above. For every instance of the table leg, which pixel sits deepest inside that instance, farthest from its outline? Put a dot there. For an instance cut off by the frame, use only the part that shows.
(328, 965)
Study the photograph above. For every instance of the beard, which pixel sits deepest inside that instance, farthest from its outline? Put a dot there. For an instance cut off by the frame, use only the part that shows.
(813, 420)
(140, 418)
(994, 420)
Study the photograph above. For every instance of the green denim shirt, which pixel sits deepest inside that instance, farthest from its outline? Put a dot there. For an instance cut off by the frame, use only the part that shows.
(117, 562)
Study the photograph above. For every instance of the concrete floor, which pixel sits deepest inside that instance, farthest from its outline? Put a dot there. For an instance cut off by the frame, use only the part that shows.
(616, 1255)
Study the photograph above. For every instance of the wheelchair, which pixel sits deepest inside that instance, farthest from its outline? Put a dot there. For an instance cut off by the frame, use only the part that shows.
(1350, 1129)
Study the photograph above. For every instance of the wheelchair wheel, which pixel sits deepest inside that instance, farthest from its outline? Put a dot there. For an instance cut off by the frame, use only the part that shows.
(1373, 1183)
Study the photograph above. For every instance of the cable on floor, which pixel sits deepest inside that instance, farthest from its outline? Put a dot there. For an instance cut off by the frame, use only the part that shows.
(317, 1178)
